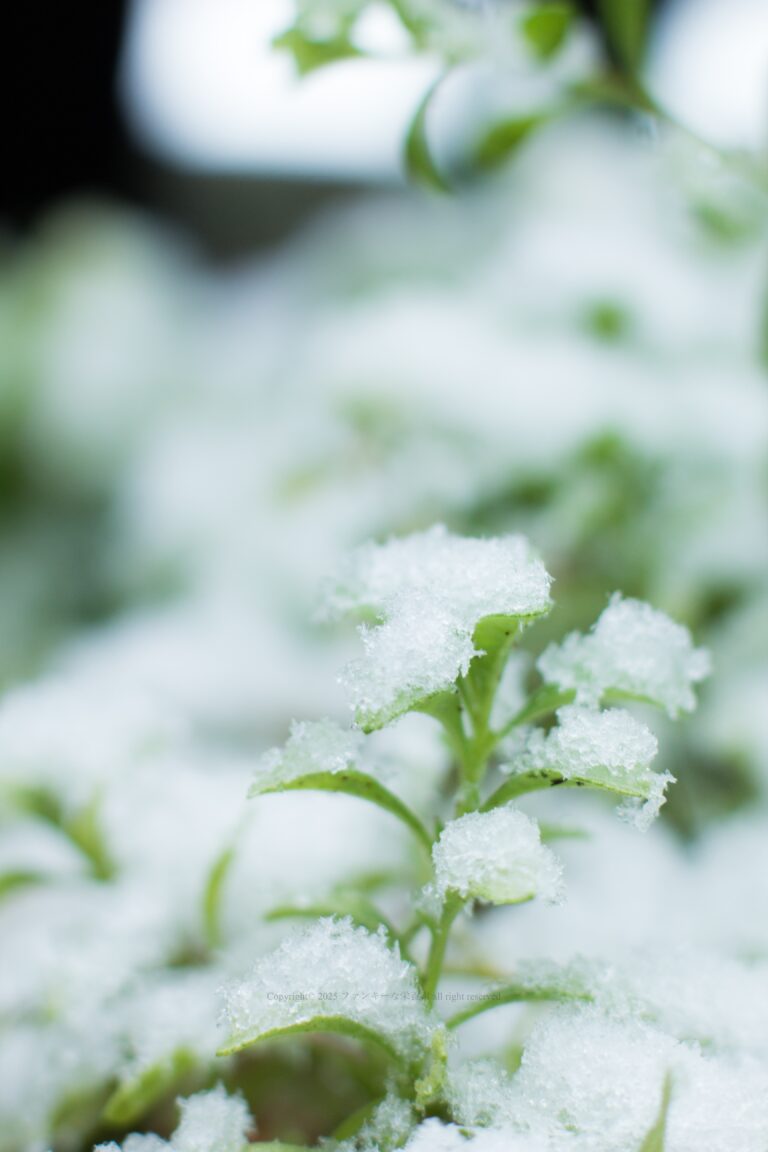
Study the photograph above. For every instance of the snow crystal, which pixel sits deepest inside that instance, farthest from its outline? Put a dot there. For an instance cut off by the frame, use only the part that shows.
(428, 592)
(608, 749)
(496, 857)
(331, 968)
(599, 1078)
(210, 1122)
(480, 1093)
(592, 1083)
(312, 748)
(632, 649)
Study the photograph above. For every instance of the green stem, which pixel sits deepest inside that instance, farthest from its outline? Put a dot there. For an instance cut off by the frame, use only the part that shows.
(547, 699)
(440, 936)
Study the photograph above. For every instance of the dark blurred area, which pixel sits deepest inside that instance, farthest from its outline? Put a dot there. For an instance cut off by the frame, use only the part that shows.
(70, 140)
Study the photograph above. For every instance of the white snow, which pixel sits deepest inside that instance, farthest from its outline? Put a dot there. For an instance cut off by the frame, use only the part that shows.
(632, 649)
(496, 857)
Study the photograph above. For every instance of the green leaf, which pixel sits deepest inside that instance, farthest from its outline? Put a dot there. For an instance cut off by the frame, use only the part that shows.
(522, 783)
(494, 637)
(275, 1146)
(419, 162)
(135, 1097)
(310, 54)
(655, 1140)
(547, 27)
(12, 880)
(516, 994)
(336, 1025)
(355, 906)
(351, 783)
(213, 894)
(499, 142)
(625, 23)
(82, 828)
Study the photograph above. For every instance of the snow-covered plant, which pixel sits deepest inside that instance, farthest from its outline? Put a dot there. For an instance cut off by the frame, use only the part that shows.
(441, 616)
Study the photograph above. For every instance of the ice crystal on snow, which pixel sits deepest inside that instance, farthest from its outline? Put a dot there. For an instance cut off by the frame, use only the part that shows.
(427, 593)
(496, 857)
(632, 649)
(330, 969)
(608, 749)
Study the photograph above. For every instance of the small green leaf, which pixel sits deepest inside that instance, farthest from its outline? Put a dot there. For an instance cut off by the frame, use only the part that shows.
(516, 994)
(520, 784)
(310, 54)
(213, 894)
(561, 832)
(134, 1097)
(493, 637)
(356, 907)
(655, 1140)
(547, 27)
(420, 164)
(336, 1025)
(499, 142)
(20, 878)
(351, 783)
(82, 828)
(625, 23)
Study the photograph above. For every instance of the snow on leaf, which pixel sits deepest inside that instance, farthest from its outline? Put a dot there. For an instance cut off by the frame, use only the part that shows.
(496, 857)
(633, 650)
(427, 594)
(610, 750)
(334, 973)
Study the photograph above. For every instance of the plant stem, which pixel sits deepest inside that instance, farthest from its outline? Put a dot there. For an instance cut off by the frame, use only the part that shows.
(440, 935)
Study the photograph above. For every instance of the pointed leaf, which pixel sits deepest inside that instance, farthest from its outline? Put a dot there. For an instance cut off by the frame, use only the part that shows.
(309, 54)
(419, 162)
(350, 782)
(546, 28)
(523, 992)
(655, 1140)
(626, 23)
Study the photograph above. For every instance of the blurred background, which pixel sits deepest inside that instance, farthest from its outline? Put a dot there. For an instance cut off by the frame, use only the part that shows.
(236, 340)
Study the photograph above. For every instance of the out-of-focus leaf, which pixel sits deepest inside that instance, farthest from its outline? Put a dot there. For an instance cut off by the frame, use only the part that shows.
(309, 54)
(212, 896)
(360, 911)
(499, 142)
(419, 162)
(546, 28)
(134, 1097)
(654, 1141)
(626, 25)
(10, 881)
